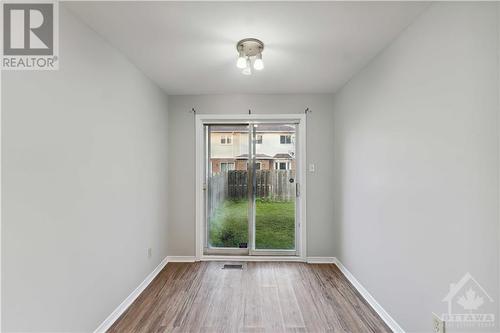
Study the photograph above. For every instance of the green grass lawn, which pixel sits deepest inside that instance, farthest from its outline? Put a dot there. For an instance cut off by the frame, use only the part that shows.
(274, 224)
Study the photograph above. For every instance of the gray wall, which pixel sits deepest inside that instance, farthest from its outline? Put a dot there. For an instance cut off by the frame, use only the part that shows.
(84, 153)
(416, 163)
(320, 231)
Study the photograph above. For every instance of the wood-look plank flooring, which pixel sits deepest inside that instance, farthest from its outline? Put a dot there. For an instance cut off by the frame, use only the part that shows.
(263, 297)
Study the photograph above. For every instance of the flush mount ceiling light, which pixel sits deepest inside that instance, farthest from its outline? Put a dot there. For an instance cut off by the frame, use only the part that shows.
(249, 49)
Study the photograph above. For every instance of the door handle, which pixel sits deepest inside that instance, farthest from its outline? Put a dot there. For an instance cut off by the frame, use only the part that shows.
(297, 189)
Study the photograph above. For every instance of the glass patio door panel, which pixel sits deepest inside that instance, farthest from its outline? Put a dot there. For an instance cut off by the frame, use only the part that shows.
(274, 187)
(226, 185)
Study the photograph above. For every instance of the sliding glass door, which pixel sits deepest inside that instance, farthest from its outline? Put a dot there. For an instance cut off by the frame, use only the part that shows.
(250, 188)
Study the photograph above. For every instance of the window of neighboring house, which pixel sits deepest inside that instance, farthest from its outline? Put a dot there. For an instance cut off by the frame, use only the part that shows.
(285, 139)
(281, 165)
(258, 139)
(257, 165)
(224, 166)
(226, 139)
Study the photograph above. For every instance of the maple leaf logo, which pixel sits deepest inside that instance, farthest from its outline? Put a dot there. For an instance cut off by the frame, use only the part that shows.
(470, 301)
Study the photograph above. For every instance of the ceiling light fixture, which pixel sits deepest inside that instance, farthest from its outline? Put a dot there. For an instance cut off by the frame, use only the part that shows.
(249, 48)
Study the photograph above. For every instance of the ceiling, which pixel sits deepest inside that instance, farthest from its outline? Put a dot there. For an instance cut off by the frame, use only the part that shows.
(190, 47)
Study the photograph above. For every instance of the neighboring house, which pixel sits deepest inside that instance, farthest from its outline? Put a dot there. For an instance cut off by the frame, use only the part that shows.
(275, 147)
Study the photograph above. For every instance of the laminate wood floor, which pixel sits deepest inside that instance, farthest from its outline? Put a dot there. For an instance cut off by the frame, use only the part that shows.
(262, 297)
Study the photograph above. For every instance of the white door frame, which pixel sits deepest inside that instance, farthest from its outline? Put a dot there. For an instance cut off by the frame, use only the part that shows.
(203, 119)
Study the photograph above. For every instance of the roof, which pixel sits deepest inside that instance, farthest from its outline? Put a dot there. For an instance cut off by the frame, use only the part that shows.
(257, 156)
(283, 156)
(261, 128)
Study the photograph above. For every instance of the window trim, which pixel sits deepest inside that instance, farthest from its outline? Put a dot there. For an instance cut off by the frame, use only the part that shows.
(301, 234)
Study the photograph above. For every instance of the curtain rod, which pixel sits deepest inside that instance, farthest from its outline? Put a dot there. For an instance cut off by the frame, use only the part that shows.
(306, 111)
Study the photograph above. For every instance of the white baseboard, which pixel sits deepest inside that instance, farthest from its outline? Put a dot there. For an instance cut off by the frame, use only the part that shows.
(181, 259)
(394, 326)
(250, 258)
(108, 322)
(321, 260)
(310, 260)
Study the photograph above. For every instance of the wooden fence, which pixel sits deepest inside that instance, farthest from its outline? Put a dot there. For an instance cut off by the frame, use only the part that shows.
(272, 185)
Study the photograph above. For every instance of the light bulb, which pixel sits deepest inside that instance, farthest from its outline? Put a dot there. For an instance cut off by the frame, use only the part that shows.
(258, 64)
(242, 62)
(248, 69)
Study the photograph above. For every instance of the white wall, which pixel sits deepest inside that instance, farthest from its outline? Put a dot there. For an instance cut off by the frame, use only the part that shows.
(416, 163)
(181, 241)
(84, 152)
